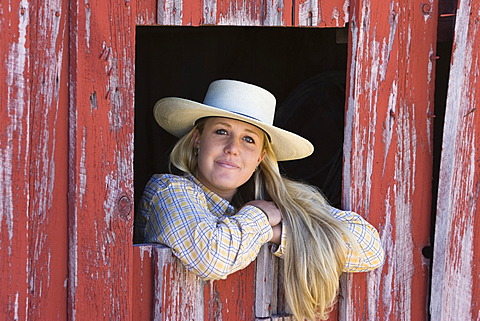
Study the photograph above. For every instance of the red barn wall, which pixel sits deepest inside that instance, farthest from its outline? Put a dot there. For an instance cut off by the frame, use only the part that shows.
(66, 140)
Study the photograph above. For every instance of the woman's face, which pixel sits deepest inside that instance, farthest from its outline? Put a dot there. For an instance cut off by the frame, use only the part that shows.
(228, 153)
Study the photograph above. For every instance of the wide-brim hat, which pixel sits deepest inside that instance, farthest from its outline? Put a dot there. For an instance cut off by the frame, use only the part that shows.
(236, 100)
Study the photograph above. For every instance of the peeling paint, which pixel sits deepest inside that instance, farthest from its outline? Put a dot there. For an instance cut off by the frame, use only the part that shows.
(210, 12)
(308, 13)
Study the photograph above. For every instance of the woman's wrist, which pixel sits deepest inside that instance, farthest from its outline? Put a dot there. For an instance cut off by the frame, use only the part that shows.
(277, 234)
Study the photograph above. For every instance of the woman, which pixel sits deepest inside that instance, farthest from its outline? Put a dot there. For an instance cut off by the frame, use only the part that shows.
(233, 199)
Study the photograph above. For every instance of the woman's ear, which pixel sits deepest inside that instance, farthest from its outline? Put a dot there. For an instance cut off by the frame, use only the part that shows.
(196, 138)
(262, 156)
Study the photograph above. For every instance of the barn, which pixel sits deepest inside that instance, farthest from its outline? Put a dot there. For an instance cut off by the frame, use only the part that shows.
(386, 90)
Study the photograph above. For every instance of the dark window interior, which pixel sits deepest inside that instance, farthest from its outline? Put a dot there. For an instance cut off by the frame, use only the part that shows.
(303, 67)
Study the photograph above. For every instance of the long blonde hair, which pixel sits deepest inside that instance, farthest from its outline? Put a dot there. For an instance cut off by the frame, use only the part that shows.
(317, 247)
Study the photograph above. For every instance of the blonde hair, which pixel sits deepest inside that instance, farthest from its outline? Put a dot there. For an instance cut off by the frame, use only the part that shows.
(317, 247)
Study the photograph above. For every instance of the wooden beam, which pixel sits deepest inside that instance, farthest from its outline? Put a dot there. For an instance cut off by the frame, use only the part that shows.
(388, 152)
(456, 272)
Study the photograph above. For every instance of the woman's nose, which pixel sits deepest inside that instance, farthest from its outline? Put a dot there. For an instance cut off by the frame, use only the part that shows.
(232, 146)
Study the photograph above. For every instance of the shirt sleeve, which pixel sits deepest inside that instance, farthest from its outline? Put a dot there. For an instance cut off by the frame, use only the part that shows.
(370, 254)
(212, 247)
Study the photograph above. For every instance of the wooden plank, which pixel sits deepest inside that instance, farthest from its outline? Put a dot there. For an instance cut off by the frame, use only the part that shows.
(178, 293)
(315, 13)
(231, 299)
(388, 153)
(265, 283)
(456, 272)
(47, 234)
(14, 158)
(143, 282)
(102, 64)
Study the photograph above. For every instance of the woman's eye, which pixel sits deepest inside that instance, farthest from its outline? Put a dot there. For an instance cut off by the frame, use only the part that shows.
(221, 132)
(249, 139)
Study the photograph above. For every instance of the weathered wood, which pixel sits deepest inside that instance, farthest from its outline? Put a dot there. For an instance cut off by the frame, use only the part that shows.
(388, 152)
(178, 293)
(47, 232)
(253, 13)
(101, 159)
(233, 298)
(456, 272)
(265, 280)
(33, 166)
(143, 282)
(15, 158)
(314, 13)
(146, 12)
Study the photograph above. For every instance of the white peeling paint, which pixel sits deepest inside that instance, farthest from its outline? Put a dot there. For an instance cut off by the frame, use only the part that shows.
(210, 12)
(15, 308)
(335, 16)
(170, 12)
(240, 14)
(308, 13)
(17, 66)
(388, 244)
(274, 13)
(82, 169)
(88, 14)
(346, 10)
(405, 164)
(446, 201)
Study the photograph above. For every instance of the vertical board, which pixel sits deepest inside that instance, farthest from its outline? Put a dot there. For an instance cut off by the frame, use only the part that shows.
(232, 299)
(143, 282)
(102, 63)
(47, 232)
(318, 13)
(456, 269)
(14, 157)
(388, 152)
(180, 295)
(33, 166)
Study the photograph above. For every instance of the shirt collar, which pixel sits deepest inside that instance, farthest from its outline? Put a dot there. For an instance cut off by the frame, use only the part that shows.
(216, 204)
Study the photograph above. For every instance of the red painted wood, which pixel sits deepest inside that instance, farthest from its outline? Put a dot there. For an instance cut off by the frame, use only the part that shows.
(232, 299)
(47, 227)
(33, 169)
(388, 153)
(15, 158)
(456, 271)
(225, 12)
(143, 281)
(101, 159)
(146, 12)
(314, 13)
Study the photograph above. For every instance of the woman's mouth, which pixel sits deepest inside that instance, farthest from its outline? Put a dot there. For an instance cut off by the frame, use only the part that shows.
(227, 164)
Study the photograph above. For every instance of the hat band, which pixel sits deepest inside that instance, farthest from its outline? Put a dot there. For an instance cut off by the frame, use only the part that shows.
(240, 114)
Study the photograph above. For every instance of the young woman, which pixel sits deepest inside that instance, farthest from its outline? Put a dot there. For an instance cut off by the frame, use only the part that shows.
(232, 199)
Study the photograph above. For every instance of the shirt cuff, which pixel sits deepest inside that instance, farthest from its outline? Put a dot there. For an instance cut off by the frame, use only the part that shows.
(279, 250)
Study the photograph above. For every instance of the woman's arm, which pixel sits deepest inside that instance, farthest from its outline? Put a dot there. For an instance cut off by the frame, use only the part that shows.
(370, 254)
(209, 245)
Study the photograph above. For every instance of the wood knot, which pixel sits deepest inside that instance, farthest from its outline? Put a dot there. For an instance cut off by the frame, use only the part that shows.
(124, 208)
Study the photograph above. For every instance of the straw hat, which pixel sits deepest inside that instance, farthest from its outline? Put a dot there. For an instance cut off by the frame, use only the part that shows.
(236, 100)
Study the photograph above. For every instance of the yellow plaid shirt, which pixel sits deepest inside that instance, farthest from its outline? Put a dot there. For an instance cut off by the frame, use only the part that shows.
(213, 240)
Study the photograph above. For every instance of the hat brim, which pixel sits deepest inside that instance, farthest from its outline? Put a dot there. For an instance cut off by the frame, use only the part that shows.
(178, 116)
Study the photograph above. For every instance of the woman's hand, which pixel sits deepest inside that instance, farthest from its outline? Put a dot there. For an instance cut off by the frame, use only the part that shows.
(270, 209)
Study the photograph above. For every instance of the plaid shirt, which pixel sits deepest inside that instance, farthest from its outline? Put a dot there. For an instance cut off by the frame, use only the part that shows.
(213, 240)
